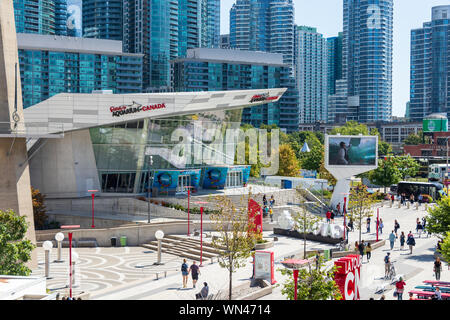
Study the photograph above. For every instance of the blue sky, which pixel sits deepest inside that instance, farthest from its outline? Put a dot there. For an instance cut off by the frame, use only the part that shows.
(326, 16)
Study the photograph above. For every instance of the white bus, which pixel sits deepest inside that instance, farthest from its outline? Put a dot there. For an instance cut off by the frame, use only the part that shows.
(437, 172)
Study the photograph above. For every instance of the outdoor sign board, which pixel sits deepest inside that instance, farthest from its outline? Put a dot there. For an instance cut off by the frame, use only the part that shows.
(264, 266)
(435, 125)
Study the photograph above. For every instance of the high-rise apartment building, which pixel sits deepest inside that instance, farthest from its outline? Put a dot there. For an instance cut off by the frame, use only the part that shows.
(52, 64)
(48, 17)
(430, 66)
(165, 30)
(367, 58)
(264, 25)
(221, 70)
(311, 72)
(102, 19)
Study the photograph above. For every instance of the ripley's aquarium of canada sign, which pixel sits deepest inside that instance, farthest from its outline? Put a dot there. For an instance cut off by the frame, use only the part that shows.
(134, 108)
(262, 98)
(347, 276)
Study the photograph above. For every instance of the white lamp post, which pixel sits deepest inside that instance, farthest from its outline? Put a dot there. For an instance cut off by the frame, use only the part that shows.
(59, 237)
(159, 235)
(47, 245)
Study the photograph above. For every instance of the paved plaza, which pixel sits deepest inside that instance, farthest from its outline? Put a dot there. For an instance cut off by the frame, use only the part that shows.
(128, 273)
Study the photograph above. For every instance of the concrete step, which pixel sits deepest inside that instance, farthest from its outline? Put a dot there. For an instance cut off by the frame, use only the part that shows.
(188, 240)
(183, 248)
(178, 253)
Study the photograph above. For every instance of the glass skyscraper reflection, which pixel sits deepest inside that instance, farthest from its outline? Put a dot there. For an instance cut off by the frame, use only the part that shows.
(430, 66)
(367, 58)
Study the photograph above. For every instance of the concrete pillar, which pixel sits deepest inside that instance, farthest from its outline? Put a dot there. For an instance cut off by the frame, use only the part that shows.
(15, 188)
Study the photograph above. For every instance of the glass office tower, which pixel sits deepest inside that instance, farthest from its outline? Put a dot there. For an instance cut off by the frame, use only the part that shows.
(50, 65)
(430, 66)
(334, 62)
(367, 58)
(102, 19)
(35, 16)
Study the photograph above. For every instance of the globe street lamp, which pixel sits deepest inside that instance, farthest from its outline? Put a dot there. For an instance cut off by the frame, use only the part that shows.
(59, 237)
(159, 235)
(47, 245)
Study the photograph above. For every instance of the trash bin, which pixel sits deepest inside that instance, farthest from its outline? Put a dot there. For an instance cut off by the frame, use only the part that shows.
(123, 241)
(113, 242)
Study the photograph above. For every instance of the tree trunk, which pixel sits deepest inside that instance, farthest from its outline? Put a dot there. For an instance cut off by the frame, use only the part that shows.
(230, 289)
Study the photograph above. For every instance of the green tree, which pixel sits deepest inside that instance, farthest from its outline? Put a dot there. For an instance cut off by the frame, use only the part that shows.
(407, 165)
(289, 166)
(351, 128)
(360, 206)
(234, 239)
(445, 248)
(386, 174)
(438, 218)
(15, 251)
(312, 160)
(384, 149)
(313, 283)
(413, 140)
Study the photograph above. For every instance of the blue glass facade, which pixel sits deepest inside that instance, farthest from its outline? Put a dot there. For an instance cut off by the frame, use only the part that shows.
(102, 19)
(430, 66)
(334, 62)
(367, 57)
(47, 72)
(214, 74)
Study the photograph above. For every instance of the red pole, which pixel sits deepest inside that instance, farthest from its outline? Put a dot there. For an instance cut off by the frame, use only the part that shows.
(378, 221)
(189, 194)
(201, 236)
(70, 263)
(295, 284)
(93, 196)
(345, 227)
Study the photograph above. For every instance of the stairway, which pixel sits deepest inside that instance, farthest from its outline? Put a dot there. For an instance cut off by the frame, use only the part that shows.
(185, 247)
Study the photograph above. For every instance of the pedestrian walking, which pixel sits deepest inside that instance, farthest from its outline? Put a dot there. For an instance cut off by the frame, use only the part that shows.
(350, 224)
(402, 199)
(338, 207)
(402, 241)
(437, 268)
(411, 198)
(361, 248)
(387, 265)
(424, 225)
(264, 200)
(265, 211)
(272, 201)
(356, 246)
(332, 216)
(420, 199)
(194, 270)
(399, 288)
(396, 227)
(417, 225)
(203, 294)
(419, 229)
(271, 214)
(328, 216)
(392, 239)
(392, 199)
(381, 226)
(185, 273)
(368, 224)
(411, 242)
(368, 251)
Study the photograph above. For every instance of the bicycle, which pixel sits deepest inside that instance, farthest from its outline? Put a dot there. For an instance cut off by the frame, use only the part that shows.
(391, 273)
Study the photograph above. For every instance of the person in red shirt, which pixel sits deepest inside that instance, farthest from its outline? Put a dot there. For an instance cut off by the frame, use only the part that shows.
(400, 287)
(328, 216)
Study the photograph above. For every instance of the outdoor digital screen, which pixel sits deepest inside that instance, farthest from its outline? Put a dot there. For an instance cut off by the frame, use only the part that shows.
(352, 151)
